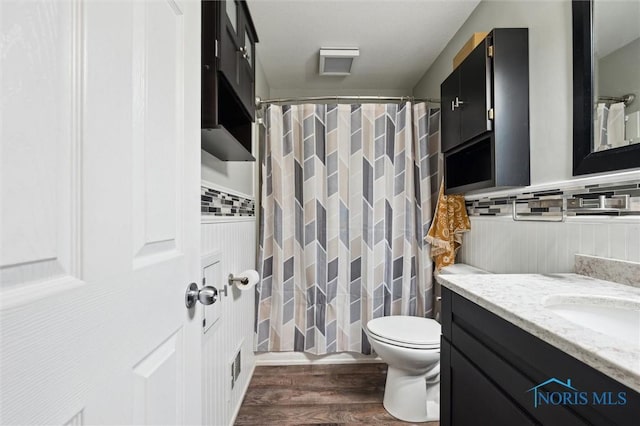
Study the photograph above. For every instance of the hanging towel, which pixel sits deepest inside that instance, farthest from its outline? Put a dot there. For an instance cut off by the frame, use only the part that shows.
(600, 128)
(449, 223)
(615, 125)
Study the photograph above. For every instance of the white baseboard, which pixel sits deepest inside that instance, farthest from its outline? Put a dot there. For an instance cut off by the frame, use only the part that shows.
(301, 358)
(244, 393)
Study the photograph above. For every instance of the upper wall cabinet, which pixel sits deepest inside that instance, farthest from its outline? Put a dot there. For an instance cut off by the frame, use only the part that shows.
(485, 115)
(237, 43)
(466, 99)
(228, 79)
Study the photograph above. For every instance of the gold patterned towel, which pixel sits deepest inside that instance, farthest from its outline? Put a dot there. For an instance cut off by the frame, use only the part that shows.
(445, 233)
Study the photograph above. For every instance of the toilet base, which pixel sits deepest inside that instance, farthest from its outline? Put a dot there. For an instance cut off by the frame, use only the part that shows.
(409, 398)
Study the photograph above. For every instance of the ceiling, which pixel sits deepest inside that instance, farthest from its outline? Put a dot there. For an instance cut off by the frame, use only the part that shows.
(398, 40)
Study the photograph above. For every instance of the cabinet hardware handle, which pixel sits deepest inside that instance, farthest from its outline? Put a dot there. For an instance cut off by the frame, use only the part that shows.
(456, 103)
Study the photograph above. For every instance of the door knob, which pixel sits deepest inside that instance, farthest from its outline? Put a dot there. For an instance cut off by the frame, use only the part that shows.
(207, 295)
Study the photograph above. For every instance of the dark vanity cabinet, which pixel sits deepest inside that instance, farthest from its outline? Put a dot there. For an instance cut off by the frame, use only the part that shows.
(485, 115)
(228, 79)
(489, 366)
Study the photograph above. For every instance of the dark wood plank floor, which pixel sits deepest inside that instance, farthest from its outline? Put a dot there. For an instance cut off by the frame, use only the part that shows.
(347, 394)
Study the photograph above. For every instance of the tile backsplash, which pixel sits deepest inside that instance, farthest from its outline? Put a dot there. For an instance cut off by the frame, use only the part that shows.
(499, 244)
(218, 203)
(528, 202)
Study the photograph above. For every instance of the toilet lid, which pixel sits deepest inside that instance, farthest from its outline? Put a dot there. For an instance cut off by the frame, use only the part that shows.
(406, 329)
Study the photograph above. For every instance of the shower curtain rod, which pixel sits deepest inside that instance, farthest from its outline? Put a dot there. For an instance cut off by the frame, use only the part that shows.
(322, 99)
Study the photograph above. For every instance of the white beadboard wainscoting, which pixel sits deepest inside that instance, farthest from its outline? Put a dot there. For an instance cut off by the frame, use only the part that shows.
(235, 239)
(499, 244)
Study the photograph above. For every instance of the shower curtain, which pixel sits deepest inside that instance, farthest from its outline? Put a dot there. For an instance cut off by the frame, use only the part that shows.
(345, 204)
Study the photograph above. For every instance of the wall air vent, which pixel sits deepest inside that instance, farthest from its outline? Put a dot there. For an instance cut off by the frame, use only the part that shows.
(337, 61)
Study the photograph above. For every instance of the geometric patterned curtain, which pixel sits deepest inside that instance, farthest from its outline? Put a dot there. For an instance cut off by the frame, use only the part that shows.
(345, 205)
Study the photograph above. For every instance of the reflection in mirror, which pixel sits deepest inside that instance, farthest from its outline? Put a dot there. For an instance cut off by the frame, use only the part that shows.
(232, 13)
(616, 62)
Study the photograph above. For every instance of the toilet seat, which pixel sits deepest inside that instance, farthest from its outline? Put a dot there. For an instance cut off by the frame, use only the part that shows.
(406, 331)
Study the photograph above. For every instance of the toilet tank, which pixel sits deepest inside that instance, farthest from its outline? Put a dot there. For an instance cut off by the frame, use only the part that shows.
(457, 268)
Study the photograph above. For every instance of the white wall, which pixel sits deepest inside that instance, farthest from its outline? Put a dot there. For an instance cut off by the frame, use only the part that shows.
(550, 75)
(236, 175)
(234, 329)
(500, 245)
(618, 73)
(236, 239)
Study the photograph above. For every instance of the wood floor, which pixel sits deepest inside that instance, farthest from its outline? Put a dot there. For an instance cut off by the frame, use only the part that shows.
(347, 394)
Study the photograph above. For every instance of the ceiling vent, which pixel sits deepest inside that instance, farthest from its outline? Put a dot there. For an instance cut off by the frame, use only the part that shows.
(337, 61)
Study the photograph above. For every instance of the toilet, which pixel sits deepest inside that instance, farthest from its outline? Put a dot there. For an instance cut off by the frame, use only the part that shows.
(411, 348)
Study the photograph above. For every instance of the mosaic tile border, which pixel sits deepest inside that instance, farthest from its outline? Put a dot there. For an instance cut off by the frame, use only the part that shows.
(219, 203)
(502, 206)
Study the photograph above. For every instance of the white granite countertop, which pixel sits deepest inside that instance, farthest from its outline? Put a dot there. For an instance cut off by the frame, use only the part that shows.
(520, 299)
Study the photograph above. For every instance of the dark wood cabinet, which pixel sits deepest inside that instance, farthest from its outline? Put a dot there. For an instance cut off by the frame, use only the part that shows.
(489, 365)
(449, 117)
(468, 384)
(466, 99)
(485, 115)
(228, 79)
(237, 47)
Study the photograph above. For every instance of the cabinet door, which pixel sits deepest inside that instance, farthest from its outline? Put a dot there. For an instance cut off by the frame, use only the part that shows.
(476, 400)
(246, 65)
(475, 92)
(449, 114)
(229, 52)
(209, 75)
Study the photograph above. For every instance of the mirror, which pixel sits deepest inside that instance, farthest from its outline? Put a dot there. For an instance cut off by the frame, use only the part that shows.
(606, 71)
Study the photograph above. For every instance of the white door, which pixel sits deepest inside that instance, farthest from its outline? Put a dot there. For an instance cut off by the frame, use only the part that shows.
(99, 190)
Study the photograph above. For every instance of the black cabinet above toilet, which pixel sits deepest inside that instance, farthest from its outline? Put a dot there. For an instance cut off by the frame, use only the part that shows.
(485, 115)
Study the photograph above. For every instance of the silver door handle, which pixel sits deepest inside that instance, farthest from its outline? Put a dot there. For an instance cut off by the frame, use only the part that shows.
(206, 295)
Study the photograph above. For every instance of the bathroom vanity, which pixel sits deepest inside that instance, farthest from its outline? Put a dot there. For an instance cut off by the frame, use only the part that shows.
(512, 353)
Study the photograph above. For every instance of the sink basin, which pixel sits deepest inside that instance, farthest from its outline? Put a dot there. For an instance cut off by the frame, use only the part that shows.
(616, 317)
